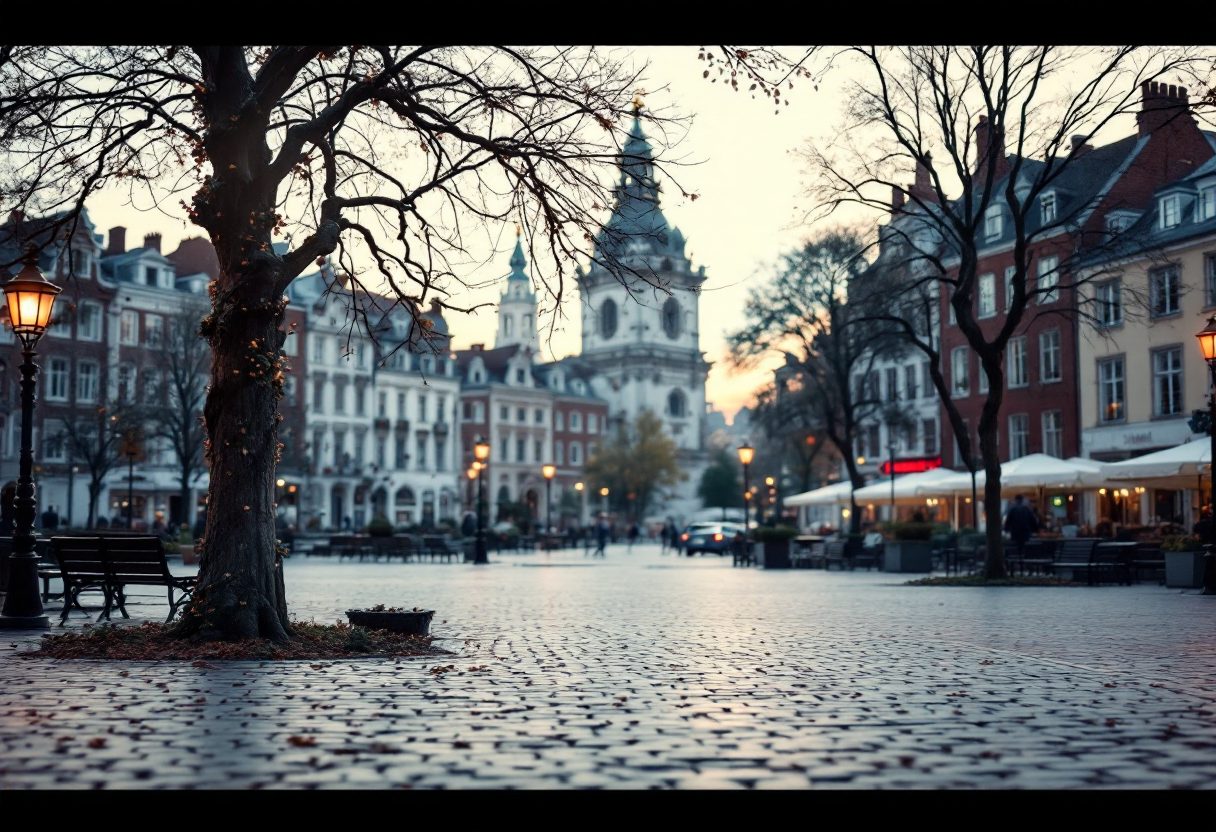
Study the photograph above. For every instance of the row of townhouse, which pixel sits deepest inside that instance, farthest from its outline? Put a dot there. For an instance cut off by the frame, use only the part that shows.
(1101, 365)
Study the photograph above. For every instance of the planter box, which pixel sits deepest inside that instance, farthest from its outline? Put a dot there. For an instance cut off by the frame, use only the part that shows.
(188, 555)
(1184, 569)
(773, 554)
(907, 556)
(409, 622)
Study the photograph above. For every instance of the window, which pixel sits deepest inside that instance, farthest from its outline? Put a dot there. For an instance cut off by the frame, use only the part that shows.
(401, 414)
(928, 432)
(521, 415)
(421, 408)
(318, 395)
(126, 384)
(994, 222)
(593, 425)
(987, 296)
(910, 436)
(57, 380)
(575, 453)
(382, 404)
(1053, 433)
(952, 317)
(959, 376)
(403, 455)
(521, 375)
(61, 320)
(1167, 381)
(1169, 209)
(150, 380)
(1047, 208)
(88, 326)
(671, 318)
(467, 412)
(381, 453)
(1110, 390)
(505, 455)
(538, 451)
(981, 378)
(520, 448)
(910, 381)
(1205, 206)
(1016, 360)
(677, 406)
(154, 330)
(892, 384)
(927, 375)
(360, 401)
(81, 260)
(874, 440)
(608, 319)
(128, 328)
(1209, 279)
(339, 395)
(291, 344)
(576, 421)
(87, 374)
(56, 444)
(559, 453)
(559, 420)
(359, 443)
(420, 459)
(1011, 274)
(1049, 279)
(479, 412)
(504, 413)
(1163, 291)
(290, 395)
(318, 349)
(361, 356)
(440, 456)
(1019, 435)
(874, 391)
(1109, 296)
(1049, 356)
(538, 416)
(508, 326)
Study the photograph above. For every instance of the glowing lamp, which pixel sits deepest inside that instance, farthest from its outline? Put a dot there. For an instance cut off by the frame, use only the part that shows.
(746, 452)
(578, 486)
(548, 471)
(31, 297)
(482, 451)
(1207, 340)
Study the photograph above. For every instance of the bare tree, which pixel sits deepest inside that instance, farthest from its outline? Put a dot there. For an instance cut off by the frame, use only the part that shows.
(175, 413)
(95, 436)
(1020, 116)
(391, 155)
(807, 311)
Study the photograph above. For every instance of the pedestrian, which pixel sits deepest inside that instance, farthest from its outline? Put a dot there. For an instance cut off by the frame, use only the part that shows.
(468, 526)
(601, 536)
(1021, 523)
(50, 519)
(664, 537)
(8, 509)
(634, 531)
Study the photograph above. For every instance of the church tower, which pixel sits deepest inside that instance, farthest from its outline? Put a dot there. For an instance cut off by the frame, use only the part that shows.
(640, 320)
(517, 308)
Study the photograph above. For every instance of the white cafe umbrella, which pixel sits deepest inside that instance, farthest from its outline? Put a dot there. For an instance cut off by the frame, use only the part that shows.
(1174, 468)
(837, 494)
(908, 488)
(1033, 472)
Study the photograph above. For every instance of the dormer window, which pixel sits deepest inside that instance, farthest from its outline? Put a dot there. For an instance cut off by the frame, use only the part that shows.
(1205, 206)
(1117, 224)
(520, 375)
(994, 222)
(1169, 210)
(1047, 208)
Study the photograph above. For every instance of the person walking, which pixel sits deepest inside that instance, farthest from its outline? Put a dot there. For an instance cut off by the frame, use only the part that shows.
(1021, 523)
(633, 533)
(601, 536)
(50, 519)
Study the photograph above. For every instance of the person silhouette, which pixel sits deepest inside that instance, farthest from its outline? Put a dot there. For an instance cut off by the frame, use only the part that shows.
(8, 509)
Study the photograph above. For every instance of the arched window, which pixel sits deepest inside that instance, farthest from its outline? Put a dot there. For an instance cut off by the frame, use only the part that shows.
(608, 319)
(504, 494)
(671, 318)
(405, 497)
(508, 326)
(677, 405)
(526, 329)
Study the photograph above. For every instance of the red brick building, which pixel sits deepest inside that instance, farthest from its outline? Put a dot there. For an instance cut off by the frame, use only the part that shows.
(1097, 197)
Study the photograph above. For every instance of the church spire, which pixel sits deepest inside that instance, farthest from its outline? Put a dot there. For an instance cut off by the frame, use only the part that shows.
(518, 261)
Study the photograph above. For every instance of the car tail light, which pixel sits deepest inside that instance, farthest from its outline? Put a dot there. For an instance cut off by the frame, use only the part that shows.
(718, 536)
(683, 537)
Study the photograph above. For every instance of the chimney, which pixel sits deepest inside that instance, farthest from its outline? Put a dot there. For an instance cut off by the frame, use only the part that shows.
(1161, 104)
(989, 148)
(897, 199)
(152, 241)
(922, 188)
(1079, 147)
(477, 347)
(118, 241)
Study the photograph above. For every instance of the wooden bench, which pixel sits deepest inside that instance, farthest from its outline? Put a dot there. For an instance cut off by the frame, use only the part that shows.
(811, 556)
(438, 547)
(1077, 555)
(741, 553)
(836, 552)
(1147, 556)
(111, 564)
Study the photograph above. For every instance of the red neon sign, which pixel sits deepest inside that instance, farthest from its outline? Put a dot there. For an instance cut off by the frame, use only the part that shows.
(913, 466)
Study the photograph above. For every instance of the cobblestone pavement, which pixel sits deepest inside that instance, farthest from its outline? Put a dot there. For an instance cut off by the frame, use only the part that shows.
(643, 670)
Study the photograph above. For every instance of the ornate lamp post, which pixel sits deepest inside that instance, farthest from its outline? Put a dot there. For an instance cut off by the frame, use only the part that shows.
(604, 499)
(1207, 343)
(481, 451)
(30, 301)
(549, 471)
(73, 470)
(746, 452)
(578, 486)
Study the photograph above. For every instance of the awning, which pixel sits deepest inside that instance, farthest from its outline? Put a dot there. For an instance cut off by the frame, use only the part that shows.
(837, 494)
(1027, 473)
(1174, 468)
(907, 489)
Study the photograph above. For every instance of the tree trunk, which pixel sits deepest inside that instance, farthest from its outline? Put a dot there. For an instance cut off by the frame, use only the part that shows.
(241, 592)
(994, 560)
(94, 495)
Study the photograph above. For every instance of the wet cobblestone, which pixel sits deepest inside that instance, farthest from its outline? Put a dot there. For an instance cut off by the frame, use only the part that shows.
(643, 670)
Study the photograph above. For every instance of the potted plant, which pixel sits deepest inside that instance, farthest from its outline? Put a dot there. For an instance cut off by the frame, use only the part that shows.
(1183, 560)
(380, 527)
(185, 542)
(774, 544)
(416, 621)
(908, 547)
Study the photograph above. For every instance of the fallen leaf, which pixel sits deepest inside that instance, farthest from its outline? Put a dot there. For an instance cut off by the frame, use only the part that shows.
(97, 742)
(302, 742)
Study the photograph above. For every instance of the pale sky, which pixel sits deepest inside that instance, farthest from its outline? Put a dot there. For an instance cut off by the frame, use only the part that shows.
(748, 184)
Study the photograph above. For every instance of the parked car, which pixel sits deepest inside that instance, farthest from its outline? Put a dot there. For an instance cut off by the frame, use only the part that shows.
(709, 537)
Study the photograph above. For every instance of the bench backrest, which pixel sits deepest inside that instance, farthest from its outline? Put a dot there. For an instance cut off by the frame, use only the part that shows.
(135, 557)
(835, 548)
(1076, 551)
(80, 557)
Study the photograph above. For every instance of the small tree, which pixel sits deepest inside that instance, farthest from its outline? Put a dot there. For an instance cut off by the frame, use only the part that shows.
(634, 462)
(720, 486)
(96, 437)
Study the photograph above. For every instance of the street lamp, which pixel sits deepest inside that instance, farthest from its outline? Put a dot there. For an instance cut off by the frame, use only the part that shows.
(549, 471)
(1207, 343)
(604, 499)
(891, 457)
(746, 452)
(578, 486)
(72, 472)
(30, 301)
(482, 453)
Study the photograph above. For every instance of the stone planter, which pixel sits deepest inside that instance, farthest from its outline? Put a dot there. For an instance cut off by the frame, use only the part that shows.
(188, 555)
(411, 622)
(773, 554)
(907, 556)
(1184, 569)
